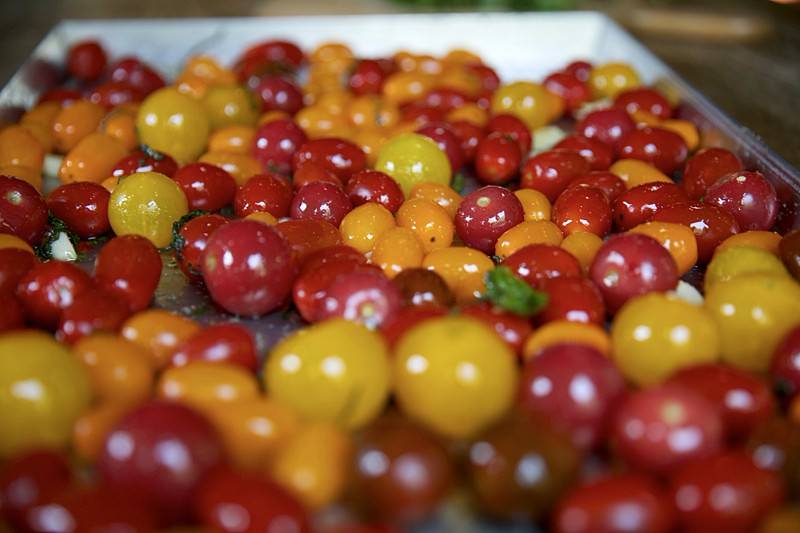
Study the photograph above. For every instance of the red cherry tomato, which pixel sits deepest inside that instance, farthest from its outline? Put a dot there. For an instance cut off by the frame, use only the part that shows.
(218, 343)
(407, 318)
(145, 161)
(582, 209)
(14, 264)
(574, 91)
(30, 479)
(470, 136)
(274, 53)
(86, 60)
(536, 263)
(195, 234)
(374, 186)
(573, 299)
(662, 148)
(580, 69)
(447, 141)
(641, 203)
(552, 171)
(341, 157)
(93, 311)
(710, 224)
(367, 77)
(137, 74)
(114, 93)
(268, 192)
(511, 126)
(61, 95)
(320, 201)
(489, 79)
(705, 167)
(207, 187)
(23, 212)
(278, 93)
(644, 99)
(311, 287)
(785, 367)
(608, 182)
(513, 329)
(49, 288)
(485, 214)
(83, 206)
(606, 125)
(419, 113)
(310, 172)
(749, 197)
(497, 158)
(275, 143)
(308, 236)
(367, 297)
(330, 255)
(599, 154)
(129, 266)
(445, 99)
(12, 316)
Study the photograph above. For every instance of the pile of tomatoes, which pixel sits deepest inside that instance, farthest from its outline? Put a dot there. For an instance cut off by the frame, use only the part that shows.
(492, 278)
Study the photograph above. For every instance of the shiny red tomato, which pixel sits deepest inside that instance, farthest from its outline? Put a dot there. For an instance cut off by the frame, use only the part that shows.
(320, 201)
(536, 263)
(641, 203)
(145, 161)
(748, 197)
(710, 224)
(485, 214)
(49, 288)
(218, 343)
(30, 479)
(83, 206)
(311, 287)
(511, 126)
(86, 60)
(445, 99)
(129, 267)
(573, 299)
(418, 112)
(662, 148)
(447, 141)
(374, 186)
(268, 192)
(206, 187)
(14, 264)
(606, 125)
(195, 234)
(114, 93)
(137, 74)
(275, 143)
(552, 171)
(61, 95)
(574, 91)
(599, 154)
(513, 329)
(12, 316)
(705, 167)
(470, 136)
(497, 158)
(366, 297)
(23, 212)
(276, 53)
(580, 69)
(341, 157)
(584, 209)
(308, 236)
(93, 311)
(644, 99)
(367, 77)
(278, 93)
(331, 254)
(310, 172)
(785, 367)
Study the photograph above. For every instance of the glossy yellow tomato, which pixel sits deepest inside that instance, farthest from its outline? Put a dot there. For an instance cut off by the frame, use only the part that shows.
(430, 223)
(563, 331)
(362, 227)
(174, 123)
(679, 241)
(535, 204)
(252, 430)
(239, 165)
(766, 240)
(332, 56)
(228, 106)
(317, 121)
(396, 250)
(334, 371)
(411, 158)
(753, 313)
(204, 383)
(583, 245)
(119, 371)
(93, 426)
(43, 390)
(455, 375)
(530, 102)
(634, 172)
(685, 129)
(12, 241)
(209, 70)
(314, 464)
(460, 56)
(237, 139)
(147, 204)
(462, 268)
(525, 233)
(460, 78)
(606, 81)
(159, 332)
(92, 159)
(734, 261)
(655, 335)
(442, 195)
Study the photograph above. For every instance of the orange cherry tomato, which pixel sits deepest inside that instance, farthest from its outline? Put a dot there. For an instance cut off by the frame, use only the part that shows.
(207, 69)
(333, 57)
(459, 78)
(583, 245)
(679, 240)
(43, 134)
(317, 121)
(93, 426)
(525, 233)
(396, 250)
(20, 147)
(470, 112)
(241, 166)
(119, 371)
(766, 240)
(685, 129)
(270, 116)
(634, 172)
(159, 332)
(430, 223)
(371, 110)
(44, 113)
(92, 159)
(121, 125)
(562, 331)
(534, 203)
(462, 268)
(363, 226)
(203, 383)
(403, 87)
(236, 139)
(12, 241)
(370, 140)
(75, 122)
(442, 195)
(191, 86)
(307, 236)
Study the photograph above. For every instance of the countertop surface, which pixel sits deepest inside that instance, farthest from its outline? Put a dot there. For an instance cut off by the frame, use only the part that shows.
(756, 81)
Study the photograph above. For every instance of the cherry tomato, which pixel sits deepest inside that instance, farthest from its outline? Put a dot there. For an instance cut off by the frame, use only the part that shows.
(768, 241)
(485, 214)
(308, 236)
(635, 172)
(276, 142)
(566, 332)
(83, 207)
(129, 267)
(396, 250)
(536, 263)
(421, 287)
(575, 92)
(584, 209)
(31, 479)
(145, 161)
(705, 167)
(278, 93)
(512, 329)
(410, 159)
(599, 154)
(583, 246)
(75, 122)
(373, 186)
(748, 196)
(644, 99)
(16, 258)
(12, 316)
(606, 125)
(738, 260)
(23, 212)
(530, 102)
(610, 79)
(366, 297)
(270, 54)
(159, 332)
(205, 384)
(552, 171)
(341, 157)
(60, 95)
(442, 195)
(470, 136)
(49, 288)
(264, 192)
(320, 201)
(218, 343)
(497, 159)
(664, 427)
(784, 368)
(112, 94)
(526, 233)
(137, 74)
(174, 123)
(93, 311)
(406, 319)
(641, 203)
(86, 60)
(710, 224)
(429, 222)
(573, 299)
(611, 184)
(194, 235)
(664, 149)
(677, 239)
(511, 126)
(367, 77)
(447, 141)
(206, 187)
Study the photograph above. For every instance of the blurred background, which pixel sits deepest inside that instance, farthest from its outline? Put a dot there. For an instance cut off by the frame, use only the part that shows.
(743, 54)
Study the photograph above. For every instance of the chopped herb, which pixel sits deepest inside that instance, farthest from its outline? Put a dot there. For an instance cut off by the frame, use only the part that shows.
(152, 152)
(198, 310)
(56, 227)
(458, 182)
(509, 292)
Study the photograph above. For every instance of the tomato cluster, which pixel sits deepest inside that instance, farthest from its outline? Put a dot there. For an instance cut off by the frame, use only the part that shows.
(478, 309)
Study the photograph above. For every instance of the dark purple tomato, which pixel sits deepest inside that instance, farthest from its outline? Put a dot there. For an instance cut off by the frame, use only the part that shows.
(145, 161)
(748, 197)
(785, 367)
(86, 60)
(129, 266)
(789, 249)
(160, 452)
(572, 299)
(447, 141)
(83, 206)
(367, 77)
(574, 91)
(664, 427)
(485, 214)
(369, 298)
(662, 148)
(513, 329)
(536, 263)
(49, 288)
(519, 468)
(331, 254)
(114, 93)
(629, 265)
(14, 263)
(497, 158)
(341, 157)
(275, 143)
(575, 388)
(268, 192)
(615, 503)
(30, 479)
(744, 400)
(606, 125)
(584, 209)
(710, 224)
(641, 203)
(248, 268)
(12, 316)
(608, 182)
(407, 318)
(320, 201)
(422, 287)
(580, 69)
(95, 310)
(470, 136)
(400, 472)
(727, 492)
(207, 187)
(511, 126)
(23, 211)
(705, 167)
(552, 171)
(194, 235)
(599, 154)
(233, 502)
(644, 99)
(278, 93)
(218, 343)
(445, 99)
(374, 186)
(136, 73)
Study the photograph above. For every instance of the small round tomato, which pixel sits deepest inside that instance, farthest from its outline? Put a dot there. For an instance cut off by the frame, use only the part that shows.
(574, 91)
(129, 266)
(320, 201)
(469, 135)
(429, 222)
(463, 269)
(396, 250)
(193, 240)
(705, 167)
(23, 212)
(362, 227)
(677, 239)
(276, 142)
(738, 260)
(207, 383)
(606, 125)
(552, 171)
(785, 365)
(206, 187)
(136, 73)
(512, 329)
(610, 79)
(526, 233)
(86, 60)
(83, 207)
(536, 263)
(447, 141)
(14, 264)
(644, 99)
(407, 319)
(346, 365)
(664, 149)
(635, 172)
(535, 205)
(218, 343)
(641, 203)
(599, 154)
(748, 196)
(530, 102)
(265, 55)
(511, 126)
(278, 93)
(497, 159)
(768, 241)
(264, 192)
(95, 310)
(608, 182)
(31, 479)
(230, 105)
(485, 214)
(367, 77)
(75, 122)
(421, 288)
(341, 157)
(411, 158)
(308, 236)
(442, 195)
(373, 186)
(159, 332)
(311, 287)
(573, 299)
(365, 297)
(585, 209)
(12, 315)
(174, 123)
(114, 93)
(583, 246)
(566, 332)
(49, 288)
(710, 224)
(147, 160)
(649, 426)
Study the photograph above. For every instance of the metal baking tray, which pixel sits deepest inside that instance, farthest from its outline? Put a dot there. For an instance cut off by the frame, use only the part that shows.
(518, 46)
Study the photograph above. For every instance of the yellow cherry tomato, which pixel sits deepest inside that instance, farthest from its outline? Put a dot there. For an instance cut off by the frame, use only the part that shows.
(204, 383)
(430, 223)
(535, 204)
(159, 332)
(336, 57)
(455, 375)
(362, 227)
(734, 261)
(235, 138)
(403, 87)
(442, 195)
(583, 245)
(655, 335)
(469, 112)
(336, 102)
(43, 390)
(634, 172)
(12, 241)
(563, 331)
(525, 233)
(679, 241)
(753, 313)
(606, 81)
(209, 70)
(92, 159)
(685, 129)
(43, 113)
(93, 426)
(228, 106)
(147, 204)
(173, 123)
(239, 165)
(460, 56)
(643, 118)
(317, 122)
(411, 158)
(766, 240)
(314, 464)
(530, 102)
(462, 268)
(252, 430)
(459, 78)
(396, 250)
(345, 365)
(120, 371)
(264, 217)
